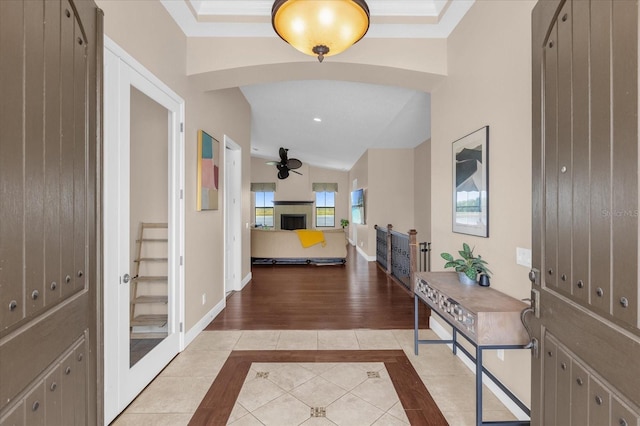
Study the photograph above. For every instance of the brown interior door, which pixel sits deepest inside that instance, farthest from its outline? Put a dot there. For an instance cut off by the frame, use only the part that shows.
(585, 368)
(49, 222)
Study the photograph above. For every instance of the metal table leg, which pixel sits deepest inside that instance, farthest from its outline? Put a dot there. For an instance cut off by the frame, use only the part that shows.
(478, 362)
(455, 341)
(415, 324)
(478, 385)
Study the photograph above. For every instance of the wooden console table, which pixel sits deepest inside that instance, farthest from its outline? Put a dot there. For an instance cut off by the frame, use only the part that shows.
(485, 317)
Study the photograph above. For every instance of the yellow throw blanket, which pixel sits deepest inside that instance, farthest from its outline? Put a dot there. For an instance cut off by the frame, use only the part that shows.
(309, 238)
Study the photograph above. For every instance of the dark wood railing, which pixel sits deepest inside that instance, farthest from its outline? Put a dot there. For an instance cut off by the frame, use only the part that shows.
(400, 255)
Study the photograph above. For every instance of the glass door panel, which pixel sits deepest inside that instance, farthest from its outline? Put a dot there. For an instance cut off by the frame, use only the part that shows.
(148, 224)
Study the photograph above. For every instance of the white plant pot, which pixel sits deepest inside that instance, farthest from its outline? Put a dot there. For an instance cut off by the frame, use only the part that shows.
(464, 279)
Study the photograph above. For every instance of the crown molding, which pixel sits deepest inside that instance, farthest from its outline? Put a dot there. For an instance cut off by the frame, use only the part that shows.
(193, 17)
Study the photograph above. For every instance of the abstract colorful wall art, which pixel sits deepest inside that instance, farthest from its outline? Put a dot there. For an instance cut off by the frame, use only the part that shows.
(208, 171)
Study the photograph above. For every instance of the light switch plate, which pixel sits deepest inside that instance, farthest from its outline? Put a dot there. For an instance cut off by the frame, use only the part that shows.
(523, 257)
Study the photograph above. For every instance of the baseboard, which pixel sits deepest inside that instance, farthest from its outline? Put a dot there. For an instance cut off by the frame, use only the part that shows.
(246, 280)
(203, 323)
(210, 316)
(365, 255)
(444, 334)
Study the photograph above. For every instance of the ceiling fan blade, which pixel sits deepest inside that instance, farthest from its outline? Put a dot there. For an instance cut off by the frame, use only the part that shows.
(294, 163)
(283, 173)
(296, 172)
(272, 163)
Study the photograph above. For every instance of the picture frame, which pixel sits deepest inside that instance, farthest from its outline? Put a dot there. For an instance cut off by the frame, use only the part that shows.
(208, 172)
(357, 207)
(471, 183)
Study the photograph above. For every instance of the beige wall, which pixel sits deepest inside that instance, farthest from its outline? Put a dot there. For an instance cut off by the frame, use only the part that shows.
(489, 83)
(159, 44)
(230, 62)
(145, 30)
(387, 176)
(358, 234)
(219, 53)
(298, 188)
(390, 192)
(218, 113)
(422, 190)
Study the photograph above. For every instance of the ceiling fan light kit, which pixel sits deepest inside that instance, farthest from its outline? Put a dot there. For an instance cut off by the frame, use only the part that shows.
(320, 27)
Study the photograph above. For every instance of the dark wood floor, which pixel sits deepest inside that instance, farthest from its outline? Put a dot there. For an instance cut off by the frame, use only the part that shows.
(306, 297)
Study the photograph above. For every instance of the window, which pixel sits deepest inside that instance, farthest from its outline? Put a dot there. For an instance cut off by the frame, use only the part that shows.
(264, 208)
(325, 209)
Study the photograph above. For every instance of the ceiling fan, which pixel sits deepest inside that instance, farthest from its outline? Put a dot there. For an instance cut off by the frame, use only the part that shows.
(286, 164)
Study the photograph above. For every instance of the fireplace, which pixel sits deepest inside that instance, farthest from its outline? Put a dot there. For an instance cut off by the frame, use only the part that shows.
(293, 221)
(292, 214)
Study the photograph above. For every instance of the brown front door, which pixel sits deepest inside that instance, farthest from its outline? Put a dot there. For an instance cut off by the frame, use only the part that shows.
(50, 55)
(586, 363)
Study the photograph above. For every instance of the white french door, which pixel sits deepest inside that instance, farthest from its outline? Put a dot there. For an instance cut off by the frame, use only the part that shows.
(143, 182)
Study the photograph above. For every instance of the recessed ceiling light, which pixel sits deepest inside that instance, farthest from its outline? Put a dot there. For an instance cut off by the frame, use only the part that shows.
(317, 119)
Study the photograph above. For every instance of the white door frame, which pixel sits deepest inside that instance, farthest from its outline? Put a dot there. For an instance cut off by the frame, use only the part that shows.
(122, 383)
(232, 215)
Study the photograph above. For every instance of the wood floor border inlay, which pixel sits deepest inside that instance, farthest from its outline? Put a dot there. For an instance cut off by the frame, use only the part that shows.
(420, 408)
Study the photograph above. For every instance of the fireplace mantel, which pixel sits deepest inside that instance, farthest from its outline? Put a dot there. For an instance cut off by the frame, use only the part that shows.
(291, 203)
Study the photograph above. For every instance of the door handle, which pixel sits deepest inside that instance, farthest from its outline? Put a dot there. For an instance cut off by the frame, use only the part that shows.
(534, 309)
(533, 342)
(523, 319)
(126, 278)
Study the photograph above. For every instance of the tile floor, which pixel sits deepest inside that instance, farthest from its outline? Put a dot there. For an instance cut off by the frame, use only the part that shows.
(172, 398)
(318, 393)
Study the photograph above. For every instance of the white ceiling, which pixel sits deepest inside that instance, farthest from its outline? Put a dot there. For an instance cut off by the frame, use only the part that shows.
(355, 116)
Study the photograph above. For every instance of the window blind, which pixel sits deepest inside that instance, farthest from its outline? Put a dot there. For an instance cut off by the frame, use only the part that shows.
(263, 187)
(324, 187)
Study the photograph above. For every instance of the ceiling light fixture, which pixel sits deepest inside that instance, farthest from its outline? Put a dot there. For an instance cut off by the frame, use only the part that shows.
(320, 27)
(317, 119)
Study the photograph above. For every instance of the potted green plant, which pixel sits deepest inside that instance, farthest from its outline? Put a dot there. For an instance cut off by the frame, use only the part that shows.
(344, 223)
(468, 267)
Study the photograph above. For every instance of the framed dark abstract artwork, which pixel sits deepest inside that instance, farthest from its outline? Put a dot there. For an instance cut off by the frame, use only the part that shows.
(471, 183)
